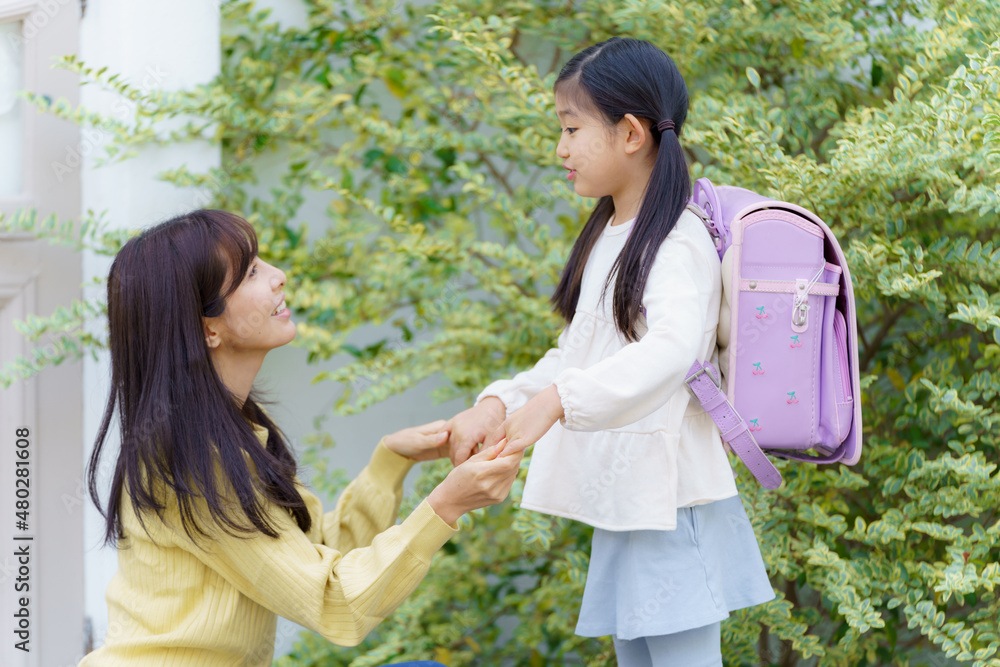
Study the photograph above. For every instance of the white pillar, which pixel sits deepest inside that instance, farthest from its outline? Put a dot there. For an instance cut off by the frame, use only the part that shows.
(154, 44)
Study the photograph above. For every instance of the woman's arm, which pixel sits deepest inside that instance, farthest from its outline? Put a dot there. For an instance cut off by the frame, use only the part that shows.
(367, 506)
(343, 592)
(370, 503)
(341, 595)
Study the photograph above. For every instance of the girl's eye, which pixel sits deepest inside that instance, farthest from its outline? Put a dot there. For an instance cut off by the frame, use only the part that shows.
(253, 269)
(569, 130)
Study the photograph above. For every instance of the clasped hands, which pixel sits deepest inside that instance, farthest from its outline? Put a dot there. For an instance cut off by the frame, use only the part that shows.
(487, 423)
(483, 478)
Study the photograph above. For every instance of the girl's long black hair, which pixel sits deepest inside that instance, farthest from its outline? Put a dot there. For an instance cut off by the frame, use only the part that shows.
(181, 429)
(618, 77)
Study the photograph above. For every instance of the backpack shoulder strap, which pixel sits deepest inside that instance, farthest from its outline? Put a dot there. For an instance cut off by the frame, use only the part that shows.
(703, 382)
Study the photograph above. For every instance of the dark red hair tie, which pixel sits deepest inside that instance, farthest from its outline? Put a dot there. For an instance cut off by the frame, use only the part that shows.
(665, 125)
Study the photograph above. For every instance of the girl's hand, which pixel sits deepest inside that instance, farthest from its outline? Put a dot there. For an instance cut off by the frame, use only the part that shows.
(525, 426)
(482, 480)
(420, 443)
(469, 428)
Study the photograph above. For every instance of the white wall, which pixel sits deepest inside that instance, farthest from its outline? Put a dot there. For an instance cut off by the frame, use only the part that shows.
(156, 44)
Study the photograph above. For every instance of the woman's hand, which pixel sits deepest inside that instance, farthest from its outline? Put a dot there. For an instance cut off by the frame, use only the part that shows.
(420, 443)
(524, 427)
(470, 427)
(482, 480)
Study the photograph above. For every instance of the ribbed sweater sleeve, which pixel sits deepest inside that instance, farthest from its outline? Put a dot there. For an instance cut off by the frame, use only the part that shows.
(361, 569)
(368, 505)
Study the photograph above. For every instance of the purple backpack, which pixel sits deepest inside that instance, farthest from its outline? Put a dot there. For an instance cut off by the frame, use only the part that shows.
(792, 381)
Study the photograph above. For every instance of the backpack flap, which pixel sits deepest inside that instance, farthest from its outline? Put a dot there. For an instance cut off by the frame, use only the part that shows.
(849, 450)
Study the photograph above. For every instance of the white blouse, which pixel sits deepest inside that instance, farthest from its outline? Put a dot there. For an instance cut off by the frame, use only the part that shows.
(632, 447)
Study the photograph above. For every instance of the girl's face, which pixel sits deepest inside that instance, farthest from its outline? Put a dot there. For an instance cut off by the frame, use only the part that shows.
(255, 319)
(592, 153)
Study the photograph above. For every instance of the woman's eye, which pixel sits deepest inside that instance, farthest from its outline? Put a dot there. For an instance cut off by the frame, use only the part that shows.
(253, 269)
(569, 130)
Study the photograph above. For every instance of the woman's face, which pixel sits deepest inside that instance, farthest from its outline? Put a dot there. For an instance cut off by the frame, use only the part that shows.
(255, 319)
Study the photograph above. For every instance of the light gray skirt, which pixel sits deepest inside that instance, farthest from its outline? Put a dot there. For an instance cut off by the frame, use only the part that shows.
(645, 583)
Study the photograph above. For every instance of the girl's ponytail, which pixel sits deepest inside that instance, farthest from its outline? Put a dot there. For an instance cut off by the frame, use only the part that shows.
(617, 77)
(667, 194)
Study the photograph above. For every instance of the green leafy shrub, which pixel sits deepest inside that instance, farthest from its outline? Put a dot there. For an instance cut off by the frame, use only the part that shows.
(427, 133)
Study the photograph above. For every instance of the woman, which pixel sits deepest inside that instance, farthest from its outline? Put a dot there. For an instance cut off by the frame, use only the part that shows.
(216, 536)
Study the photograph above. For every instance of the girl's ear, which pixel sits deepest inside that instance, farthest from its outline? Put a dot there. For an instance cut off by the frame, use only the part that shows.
(636, 134)
(212, 339)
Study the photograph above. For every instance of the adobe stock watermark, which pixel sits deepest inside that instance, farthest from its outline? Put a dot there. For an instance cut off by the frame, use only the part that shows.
(93, 139)
(652, 606)
(391, 355)
(751, 331)
(37, 21)
(594, 489)
(152, 425)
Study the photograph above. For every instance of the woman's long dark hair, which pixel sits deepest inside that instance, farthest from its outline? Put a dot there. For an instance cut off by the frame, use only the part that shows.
(617, 77)
(180, 427)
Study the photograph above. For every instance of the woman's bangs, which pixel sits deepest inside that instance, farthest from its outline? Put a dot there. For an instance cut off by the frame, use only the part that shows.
(237, 243)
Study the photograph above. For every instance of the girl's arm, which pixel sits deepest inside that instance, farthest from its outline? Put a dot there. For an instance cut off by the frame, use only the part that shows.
(641, 377)
(682, 287)
(521, 388)
(498, 400)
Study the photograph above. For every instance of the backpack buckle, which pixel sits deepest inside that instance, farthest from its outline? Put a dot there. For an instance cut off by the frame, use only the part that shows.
(705, 217)
(800, 305)
(800, 317)
(703, 371)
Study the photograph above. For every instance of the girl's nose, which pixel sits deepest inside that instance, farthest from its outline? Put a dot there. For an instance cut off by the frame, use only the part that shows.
(561, 150)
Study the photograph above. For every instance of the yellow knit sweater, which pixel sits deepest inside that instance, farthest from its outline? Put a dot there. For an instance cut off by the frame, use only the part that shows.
(173, 602)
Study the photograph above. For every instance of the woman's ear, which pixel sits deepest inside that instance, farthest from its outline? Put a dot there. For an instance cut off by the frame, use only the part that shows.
(636, 134)
(212, 339)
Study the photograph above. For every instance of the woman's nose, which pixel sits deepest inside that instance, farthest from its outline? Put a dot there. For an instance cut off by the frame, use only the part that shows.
(278, 280)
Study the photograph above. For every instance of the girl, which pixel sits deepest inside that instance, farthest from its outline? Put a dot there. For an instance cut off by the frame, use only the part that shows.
(216, 535)
(620, 446)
